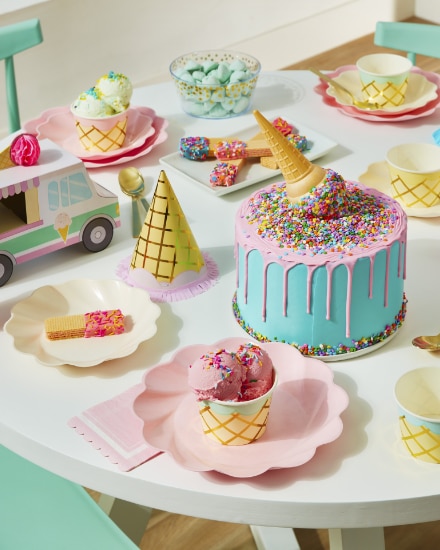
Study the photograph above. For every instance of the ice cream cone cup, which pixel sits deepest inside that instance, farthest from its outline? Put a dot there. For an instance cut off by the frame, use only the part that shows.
(236, 423)
(299, 173)
(166, 246)
(5, 159)
(417, 393)
(102, 134)
(420, 441)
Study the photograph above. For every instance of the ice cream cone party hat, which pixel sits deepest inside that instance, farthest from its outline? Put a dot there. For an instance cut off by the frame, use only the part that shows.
(300, 174)
(167, 260)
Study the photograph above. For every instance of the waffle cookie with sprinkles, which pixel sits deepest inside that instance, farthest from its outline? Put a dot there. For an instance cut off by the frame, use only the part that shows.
(233, 152)
(85, 325)
(320, 261)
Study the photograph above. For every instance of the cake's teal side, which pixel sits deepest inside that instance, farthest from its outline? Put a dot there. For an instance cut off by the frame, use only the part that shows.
(369, 319)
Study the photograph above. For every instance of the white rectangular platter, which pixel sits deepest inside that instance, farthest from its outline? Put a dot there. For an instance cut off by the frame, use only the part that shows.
(252, 171)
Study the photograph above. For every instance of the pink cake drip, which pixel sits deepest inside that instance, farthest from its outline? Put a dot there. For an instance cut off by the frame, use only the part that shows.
(349, 264)
(348, 257)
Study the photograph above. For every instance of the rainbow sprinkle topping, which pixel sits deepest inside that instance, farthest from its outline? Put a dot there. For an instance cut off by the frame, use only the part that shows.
(235, 149)
(282, 126)
(333, 218)
(214, 360)
(194, 148)
(223, 174)
(248, 354)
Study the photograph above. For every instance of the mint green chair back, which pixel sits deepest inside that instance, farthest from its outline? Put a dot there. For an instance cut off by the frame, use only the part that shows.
(412, 38)
(42, 511)
(13, 40)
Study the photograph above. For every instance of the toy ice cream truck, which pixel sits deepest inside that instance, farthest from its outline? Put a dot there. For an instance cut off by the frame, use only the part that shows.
(50, 205)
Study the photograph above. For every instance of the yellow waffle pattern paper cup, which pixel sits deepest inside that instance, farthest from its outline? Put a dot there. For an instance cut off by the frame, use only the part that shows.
(236, 423)
(418, 398)
(415, 174)
(384, 78)
(102, 134)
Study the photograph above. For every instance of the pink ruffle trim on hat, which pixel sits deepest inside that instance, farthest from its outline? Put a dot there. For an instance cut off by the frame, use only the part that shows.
(203, 282)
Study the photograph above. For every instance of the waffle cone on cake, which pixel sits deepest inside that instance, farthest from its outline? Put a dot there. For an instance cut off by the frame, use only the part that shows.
(299, 173)
(166, 246)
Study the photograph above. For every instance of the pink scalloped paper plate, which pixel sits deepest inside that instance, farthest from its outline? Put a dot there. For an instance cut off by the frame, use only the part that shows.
(160, 124)
(145, 131)
(305, 413)
(404, 113)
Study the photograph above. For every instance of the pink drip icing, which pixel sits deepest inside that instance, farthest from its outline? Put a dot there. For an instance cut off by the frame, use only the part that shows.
(266, 266)
(246, 279)
(237, 262)
(387, 271)
(349, 264)
(329, 290)
(402, 257)
(370, 289)
(310, 270)
(285, 288)
(348, 299)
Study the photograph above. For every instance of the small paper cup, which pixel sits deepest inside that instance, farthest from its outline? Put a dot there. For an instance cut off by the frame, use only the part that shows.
(101, 134)
(236, 423)
(418, 399)
(384, 78)
(415, 174)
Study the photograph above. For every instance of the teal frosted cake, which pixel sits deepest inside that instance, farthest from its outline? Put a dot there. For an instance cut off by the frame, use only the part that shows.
(320, 261)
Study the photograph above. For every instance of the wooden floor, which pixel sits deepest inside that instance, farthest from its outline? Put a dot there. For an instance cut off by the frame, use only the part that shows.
(174, 532)
(337, 57)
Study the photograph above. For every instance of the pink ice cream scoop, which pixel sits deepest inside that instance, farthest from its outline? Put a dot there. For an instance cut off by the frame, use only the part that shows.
(216, 375)
(258, 371)
(25, 150)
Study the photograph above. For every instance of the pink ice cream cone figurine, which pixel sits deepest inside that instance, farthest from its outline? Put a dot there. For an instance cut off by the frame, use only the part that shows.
(23, 151)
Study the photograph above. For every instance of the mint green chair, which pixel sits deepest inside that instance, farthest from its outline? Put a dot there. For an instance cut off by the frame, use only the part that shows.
(42, 511)
(412, 38)
(13, 40)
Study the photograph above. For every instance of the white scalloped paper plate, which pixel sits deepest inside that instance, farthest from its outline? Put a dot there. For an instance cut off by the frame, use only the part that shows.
(26, 324)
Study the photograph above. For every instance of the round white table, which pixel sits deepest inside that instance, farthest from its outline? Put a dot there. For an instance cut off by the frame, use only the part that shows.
(363, 480)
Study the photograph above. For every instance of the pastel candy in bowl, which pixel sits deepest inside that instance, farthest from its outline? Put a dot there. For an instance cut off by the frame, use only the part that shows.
(216, 83)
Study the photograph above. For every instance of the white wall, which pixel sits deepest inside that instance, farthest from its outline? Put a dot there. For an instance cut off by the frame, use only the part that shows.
(83, 39)
(428, 9)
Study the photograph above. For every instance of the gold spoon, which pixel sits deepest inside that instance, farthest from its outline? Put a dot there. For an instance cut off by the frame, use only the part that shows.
(356, 102)
(430, 343)
(132, 184)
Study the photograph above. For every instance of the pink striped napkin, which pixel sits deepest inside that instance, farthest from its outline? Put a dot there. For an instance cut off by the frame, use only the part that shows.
(112, 428)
